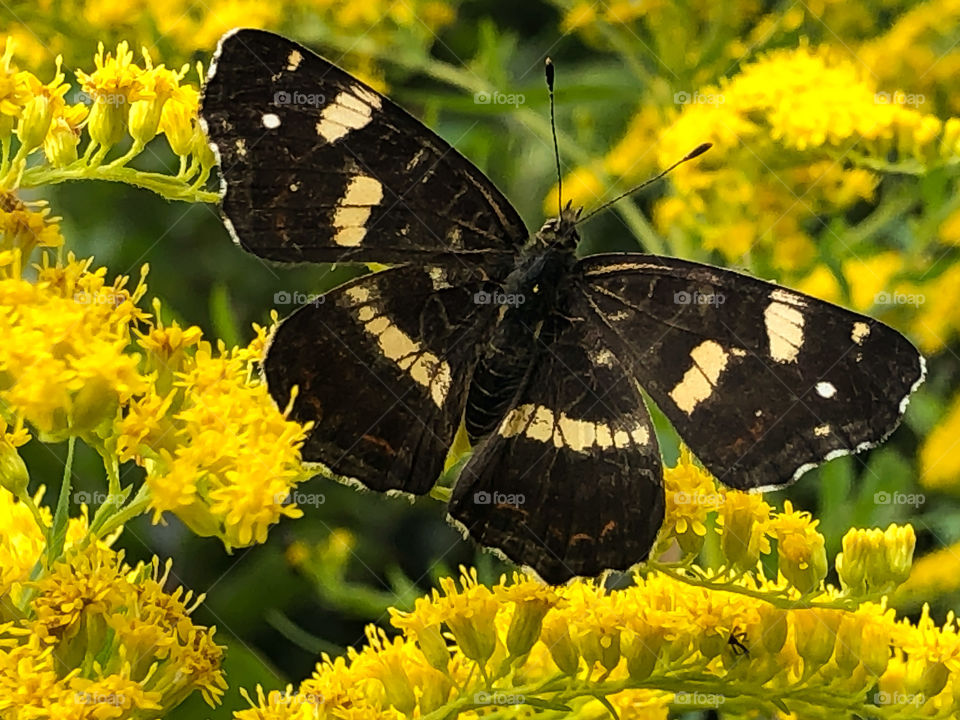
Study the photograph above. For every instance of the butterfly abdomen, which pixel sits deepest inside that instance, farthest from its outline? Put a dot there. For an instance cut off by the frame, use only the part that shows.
(526, 306)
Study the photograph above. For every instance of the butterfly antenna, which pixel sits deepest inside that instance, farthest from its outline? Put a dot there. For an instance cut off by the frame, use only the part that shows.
(550, 73)
(696, 152)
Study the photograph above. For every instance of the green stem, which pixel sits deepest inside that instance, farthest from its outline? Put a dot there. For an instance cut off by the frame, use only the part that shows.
(58, 531)
(777, 599)
(167, 186)
(131, 510)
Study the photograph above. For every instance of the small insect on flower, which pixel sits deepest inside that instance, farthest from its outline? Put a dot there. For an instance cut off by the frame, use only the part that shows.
(737, 641)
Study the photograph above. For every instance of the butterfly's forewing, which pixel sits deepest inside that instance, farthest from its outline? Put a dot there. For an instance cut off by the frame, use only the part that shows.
(761, 382)
(381, 366)
(317, 166)
(570, 483)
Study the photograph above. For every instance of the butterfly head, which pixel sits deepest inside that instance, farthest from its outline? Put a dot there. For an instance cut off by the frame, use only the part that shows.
(561, 231)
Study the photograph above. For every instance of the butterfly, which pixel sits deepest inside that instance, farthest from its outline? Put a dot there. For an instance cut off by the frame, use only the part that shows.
(545, 357)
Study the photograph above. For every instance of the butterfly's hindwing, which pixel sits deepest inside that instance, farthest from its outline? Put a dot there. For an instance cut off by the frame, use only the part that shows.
(317, 166)
(570, 482)
(760, 381)
(380, 365)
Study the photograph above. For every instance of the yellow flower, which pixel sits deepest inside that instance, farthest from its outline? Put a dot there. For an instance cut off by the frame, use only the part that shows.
(113, 86)
(801, 550)
(65, 365)
(691, 494)
(25, 227)
(13, 471)
(660, 632)
(13, 95)
(876, 560)
(218, 453)
(44, 103)
(178, 119)
(159, 84)
(744, 519)
(118, 640)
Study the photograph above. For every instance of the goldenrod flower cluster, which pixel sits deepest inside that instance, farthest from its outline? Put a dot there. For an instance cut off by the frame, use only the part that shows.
(681, 637)
(120, 99)
(365, 32)
(94, 637)
(82, 360)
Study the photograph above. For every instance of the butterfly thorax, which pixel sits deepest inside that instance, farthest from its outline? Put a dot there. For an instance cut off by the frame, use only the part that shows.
(530, 312)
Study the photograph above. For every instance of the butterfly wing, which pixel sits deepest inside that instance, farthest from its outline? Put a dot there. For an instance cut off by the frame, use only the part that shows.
(570, 482)
(381, 366)
(761, 382)
(317, 166)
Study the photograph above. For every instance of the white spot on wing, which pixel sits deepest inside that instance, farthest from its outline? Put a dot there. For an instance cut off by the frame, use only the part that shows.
(293, 60)
(860, 332)
(709, 360)
(271, 121)
(826, 389)
(784, 325)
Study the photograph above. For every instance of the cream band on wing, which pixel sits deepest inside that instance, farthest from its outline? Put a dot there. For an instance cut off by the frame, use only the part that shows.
(538, 422)
(353, 210)
(349, 111)
(424, 367)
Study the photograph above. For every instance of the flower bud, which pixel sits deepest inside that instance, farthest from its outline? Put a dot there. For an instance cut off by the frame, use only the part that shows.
(816, 636)
(396, 684)
(556, 636)
(108, 120)
(773, 628)
(525, 625)
(35, 122)
(144, 119)
(849, 636)
(433, 646)
(641, 649)
(13, 471)
(600, 645)
(60, 145)
(875, 649)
